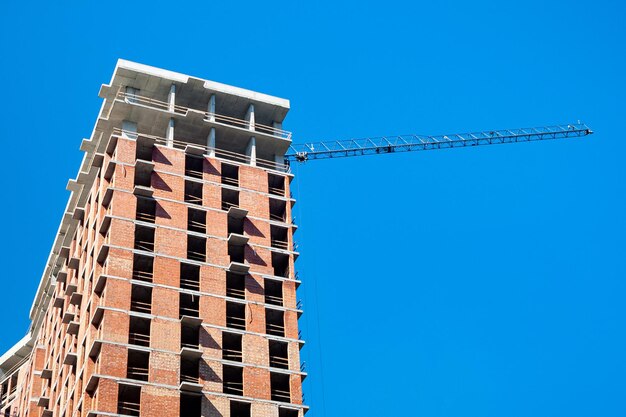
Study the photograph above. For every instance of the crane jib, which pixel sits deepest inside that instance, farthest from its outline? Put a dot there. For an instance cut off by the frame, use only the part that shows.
(407, 143)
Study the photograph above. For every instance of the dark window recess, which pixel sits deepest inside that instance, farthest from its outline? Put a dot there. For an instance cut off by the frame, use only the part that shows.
(144, 149)
(193, 192)
(128, 400)
(141, 299)
(146, 209)
(189, 370)
(235, 315)
(143, 176)
(237, 253)
(279, 237)
(190, 337)
(196, 220)
(231, 347)
(139, 331)
(279, 384)
(275, 322)
(196, 248)
(235, 285)
(230, 175)
(233, 380)
(286, 412)
(274, 292)
(138, 365)
(194, 166)
(235, 225)
(280, 263)
(189, 277)
(278, 209)
(239, 409)
(190, 405)
(144, 238)
(143, 267)
(230, 198)
(189, 305)
(276, 184)
(279, 356)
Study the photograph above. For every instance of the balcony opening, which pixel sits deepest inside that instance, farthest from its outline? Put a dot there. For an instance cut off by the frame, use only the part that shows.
(196, 220)
(235, 315)
(237, 253)
(144, 238)
(278, 210)
(143, 174)
(190, 337)
(279, 237)
(235, 285)
(233, 380)
(280, 263)
(144, 149)
(190, 405)
(193, 192)
(287, 412)
(279, 384)
(143, 267)
(239, 409)
(139, 331)
(279, 356)
(276, 184)
(141, 299)
(235, 225)
(230, 198)
(128, 400)
(189, 370)
(189, 277)
(275, 322)
(231, 347)
(194, 166)
(189, 305)
(146, 210)
(230, 175)
(273, 292)
(196, 248)
(138, 365)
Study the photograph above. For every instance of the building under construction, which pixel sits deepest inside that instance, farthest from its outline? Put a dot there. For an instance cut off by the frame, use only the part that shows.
(170, 288)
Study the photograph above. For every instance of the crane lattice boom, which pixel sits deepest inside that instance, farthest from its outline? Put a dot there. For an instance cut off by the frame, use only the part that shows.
(405, 143)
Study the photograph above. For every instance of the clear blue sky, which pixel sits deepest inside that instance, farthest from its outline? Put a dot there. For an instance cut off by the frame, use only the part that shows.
(475, 282)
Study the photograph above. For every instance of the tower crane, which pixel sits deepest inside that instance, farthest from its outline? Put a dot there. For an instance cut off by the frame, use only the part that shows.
(406, 143)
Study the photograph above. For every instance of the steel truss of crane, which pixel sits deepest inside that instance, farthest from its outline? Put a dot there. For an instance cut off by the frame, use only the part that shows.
(405, 143)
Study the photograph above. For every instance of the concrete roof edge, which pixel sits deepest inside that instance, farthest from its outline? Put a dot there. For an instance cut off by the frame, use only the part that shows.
(147, 69)
(13, 351)
(242, 92)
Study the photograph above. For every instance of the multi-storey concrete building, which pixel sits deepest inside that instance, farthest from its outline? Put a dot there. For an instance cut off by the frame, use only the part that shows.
(170, 288)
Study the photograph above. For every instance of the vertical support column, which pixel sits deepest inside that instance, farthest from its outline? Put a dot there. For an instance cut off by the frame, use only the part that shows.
(171, 101)
(279, 160)
(170, 134)
(210, 143)
(131, 94)
(211, 108)
(251, 151)
(250, 117)
(129, 129)
(277, 128)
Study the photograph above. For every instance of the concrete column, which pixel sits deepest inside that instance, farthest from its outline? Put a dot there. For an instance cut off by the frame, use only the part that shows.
(129, 129)
(251, 151)
(170, 133)
(171, 98)
(130, 94)
(210, 143)
(250, 117)
(211, 108)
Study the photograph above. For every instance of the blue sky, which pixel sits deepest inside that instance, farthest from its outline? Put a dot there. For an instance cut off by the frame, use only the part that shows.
(472, 282)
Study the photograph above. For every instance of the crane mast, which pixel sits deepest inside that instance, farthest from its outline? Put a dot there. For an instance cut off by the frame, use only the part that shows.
(406, 143)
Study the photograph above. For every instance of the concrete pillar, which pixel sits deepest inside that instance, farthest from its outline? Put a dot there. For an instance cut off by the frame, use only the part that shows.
(279, 160)
(251, 151)
(170, 134)
(129, 129)
(211, 108)
(131, 93)
(250, 117)
(171, 98)
(210, 143)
